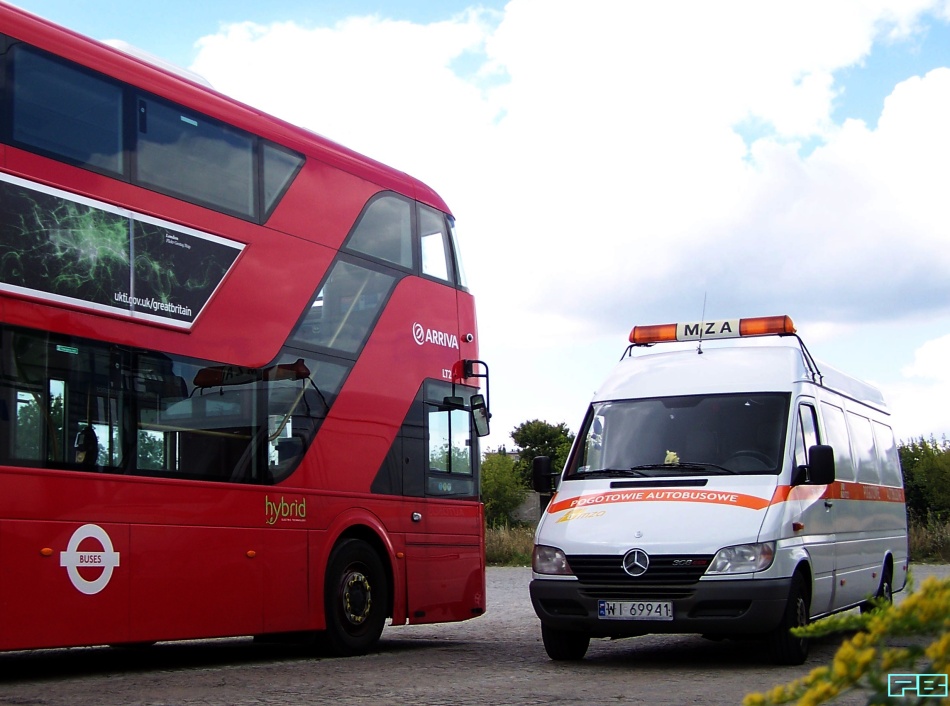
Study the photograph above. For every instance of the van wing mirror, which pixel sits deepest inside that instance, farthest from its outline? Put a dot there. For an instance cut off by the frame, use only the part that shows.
(821, 465)
(542, 477)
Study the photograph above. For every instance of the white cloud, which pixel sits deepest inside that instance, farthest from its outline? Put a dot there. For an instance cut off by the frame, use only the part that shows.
(919, 401)
(592, 154)
(930, 362)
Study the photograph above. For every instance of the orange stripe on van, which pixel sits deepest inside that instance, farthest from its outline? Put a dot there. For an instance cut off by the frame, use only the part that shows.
(839, 490)
(673, 495)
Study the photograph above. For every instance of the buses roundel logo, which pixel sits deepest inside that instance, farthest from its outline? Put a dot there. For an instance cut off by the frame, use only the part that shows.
(422, 335)
(103, 562)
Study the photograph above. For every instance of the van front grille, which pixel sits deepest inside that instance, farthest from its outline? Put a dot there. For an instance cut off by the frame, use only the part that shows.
(664, 570)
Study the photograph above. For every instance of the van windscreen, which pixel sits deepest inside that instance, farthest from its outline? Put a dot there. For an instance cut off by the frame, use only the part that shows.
(694, 434)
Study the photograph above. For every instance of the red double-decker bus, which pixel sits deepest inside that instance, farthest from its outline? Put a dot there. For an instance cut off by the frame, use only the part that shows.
(239, 376)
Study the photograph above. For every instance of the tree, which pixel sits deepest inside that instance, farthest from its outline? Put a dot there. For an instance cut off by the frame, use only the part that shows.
(926, 466)
(503, 489)
(537, 438)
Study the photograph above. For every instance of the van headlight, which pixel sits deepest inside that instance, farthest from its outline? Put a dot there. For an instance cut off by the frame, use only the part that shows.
(743, 559)
(550, 560)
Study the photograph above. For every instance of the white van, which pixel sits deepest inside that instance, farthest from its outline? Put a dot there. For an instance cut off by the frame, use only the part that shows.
(732, 490)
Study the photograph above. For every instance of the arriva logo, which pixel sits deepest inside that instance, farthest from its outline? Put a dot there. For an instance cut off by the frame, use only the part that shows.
(423, 335)
(295, 511)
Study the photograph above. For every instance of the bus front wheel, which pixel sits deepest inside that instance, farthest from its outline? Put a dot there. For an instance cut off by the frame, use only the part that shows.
(355, 598)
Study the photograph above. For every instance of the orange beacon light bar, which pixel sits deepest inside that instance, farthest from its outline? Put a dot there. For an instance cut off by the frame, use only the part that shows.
(725, 328)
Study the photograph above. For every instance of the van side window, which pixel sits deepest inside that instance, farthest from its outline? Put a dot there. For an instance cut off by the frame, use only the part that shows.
(836, 432)
(862, 443)
(887, 455)
(807, 435)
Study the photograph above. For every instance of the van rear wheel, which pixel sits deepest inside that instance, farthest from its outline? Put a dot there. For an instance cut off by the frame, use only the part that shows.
(564, 645)
(786, 648)
(885, 592)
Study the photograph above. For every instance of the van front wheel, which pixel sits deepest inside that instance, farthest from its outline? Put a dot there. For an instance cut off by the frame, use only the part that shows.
(564, 645)
(786, 648)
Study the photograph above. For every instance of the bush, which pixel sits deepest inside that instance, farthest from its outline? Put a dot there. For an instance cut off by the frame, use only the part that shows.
(503, 489)
(928, 539)
(865, 660)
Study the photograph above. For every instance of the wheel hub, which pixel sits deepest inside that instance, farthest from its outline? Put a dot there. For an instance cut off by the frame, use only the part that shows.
(357, 597)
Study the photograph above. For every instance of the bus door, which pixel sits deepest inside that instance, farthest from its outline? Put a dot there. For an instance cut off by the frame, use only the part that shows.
(445, 556)
(199, 554)
(67, 556)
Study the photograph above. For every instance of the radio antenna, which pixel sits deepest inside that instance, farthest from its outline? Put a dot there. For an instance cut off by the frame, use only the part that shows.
(702, 325)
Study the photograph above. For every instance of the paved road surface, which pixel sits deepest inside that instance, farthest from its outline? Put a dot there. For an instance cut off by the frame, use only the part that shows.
(495, 659)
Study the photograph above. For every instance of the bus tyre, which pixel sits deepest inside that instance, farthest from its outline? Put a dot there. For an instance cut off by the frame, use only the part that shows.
(786, 648)
(356, 597)
(564, 645)
(885, 592)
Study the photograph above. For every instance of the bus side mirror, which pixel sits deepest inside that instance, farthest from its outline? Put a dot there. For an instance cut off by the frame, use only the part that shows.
(542, 478)
(821, 465)
(480, 415)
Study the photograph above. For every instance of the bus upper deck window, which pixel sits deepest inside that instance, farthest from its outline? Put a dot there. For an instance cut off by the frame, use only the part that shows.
(459, 269)
(436, 253)
(199, 159)
(66, 111)
(384, 230)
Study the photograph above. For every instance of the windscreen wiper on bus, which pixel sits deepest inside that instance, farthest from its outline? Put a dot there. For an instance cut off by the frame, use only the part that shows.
(682, 467)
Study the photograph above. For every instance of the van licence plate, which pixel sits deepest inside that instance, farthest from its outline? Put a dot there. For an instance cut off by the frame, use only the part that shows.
(635, 610)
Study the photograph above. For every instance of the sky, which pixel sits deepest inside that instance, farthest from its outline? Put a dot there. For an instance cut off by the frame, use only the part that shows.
(614, 163)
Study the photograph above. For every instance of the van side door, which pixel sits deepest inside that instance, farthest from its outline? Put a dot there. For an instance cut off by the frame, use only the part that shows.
(817, 511)
(852, 571)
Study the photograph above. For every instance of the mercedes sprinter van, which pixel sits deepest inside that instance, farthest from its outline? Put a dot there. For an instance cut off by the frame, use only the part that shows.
(733, 489)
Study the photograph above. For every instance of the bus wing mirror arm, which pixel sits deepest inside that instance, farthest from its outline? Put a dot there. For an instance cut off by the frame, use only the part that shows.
(481, 411)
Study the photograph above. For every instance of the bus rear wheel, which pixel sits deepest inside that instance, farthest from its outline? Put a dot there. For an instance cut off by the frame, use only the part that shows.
(355, 598)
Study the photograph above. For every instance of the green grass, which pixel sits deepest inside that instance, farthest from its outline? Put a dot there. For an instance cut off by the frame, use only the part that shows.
(509, 546)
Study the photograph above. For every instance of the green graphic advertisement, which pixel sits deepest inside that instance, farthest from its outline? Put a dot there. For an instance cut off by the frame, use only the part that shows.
(58, 247)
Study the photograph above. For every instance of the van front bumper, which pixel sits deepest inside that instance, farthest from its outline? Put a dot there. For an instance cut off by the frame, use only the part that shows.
(723, 608)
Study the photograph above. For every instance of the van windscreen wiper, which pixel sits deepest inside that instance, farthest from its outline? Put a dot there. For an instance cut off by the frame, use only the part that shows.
(682, 466)
(613, 473)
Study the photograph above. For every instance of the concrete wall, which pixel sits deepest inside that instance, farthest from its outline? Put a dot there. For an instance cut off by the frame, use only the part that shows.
(530, 510)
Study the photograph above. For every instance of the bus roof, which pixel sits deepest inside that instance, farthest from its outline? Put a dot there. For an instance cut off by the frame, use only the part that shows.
(176, 86)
